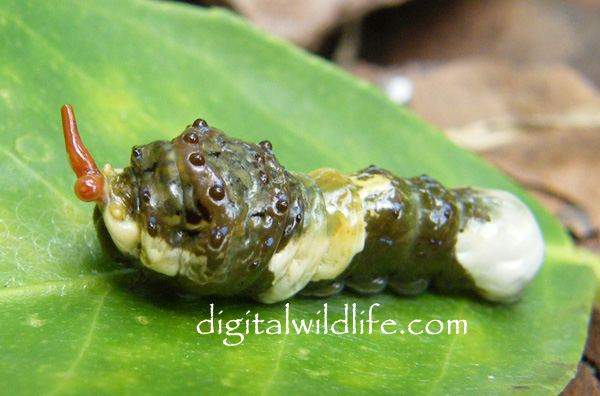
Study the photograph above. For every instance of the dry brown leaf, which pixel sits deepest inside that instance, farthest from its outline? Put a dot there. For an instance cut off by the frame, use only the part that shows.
(465, 91)
(519, 31)
(305, 22)
(539, 123)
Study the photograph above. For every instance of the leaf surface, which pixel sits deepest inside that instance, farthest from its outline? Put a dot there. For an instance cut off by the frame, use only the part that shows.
(137, 71)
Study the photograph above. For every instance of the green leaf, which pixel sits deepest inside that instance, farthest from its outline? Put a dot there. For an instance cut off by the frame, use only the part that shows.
(136, 71)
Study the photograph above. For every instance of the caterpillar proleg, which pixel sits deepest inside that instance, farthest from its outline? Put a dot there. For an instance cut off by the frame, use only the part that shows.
(218, 216)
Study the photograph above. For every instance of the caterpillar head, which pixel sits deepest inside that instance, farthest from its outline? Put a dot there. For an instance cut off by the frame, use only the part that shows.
(205, 210)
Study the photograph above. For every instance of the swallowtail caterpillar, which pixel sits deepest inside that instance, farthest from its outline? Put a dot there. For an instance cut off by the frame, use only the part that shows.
(219, 216)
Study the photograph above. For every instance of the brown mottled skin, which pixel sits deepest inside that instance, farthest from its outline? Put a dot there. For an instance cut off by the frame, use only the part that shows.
(232, 202)
(410, 239)
(217, 197)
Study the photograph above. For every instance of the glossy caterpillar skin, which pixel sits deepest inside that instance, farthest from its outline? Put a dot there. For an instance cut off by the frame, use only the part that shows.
(219, 216)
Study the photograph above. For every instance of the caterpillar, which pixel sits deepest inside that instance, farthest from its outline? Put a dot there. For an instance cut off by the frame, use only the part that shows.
(214, 215)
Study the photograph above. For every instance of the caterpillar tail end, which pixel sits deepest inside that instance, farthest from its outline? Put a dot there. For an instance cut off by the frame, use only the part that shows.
(502, 255)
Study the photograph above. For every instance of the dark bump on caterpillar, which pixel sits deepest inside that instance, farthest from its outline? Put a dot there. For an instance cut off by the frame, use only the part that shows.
(191, 138)
(196, 159)
(254, 265)
(282, 204)
(146, 197)
(137, 153)
(152, 226)
(216, 192)
(217, 238)
(266, 145)
(199, 123)
(230, 220)
(264, 177)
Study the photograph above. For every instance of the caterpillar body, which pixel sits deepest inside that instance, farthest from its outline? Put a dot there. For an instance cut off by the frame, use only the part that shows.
(219, 216)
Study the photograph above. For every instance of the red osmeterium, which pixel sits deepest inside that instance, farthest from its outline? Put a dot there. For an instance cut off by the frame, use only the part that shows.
(90, 182)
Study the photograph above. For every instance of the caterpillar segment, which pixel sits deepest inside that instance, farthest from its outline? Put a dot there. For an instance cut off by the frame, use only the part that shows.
(218, 216)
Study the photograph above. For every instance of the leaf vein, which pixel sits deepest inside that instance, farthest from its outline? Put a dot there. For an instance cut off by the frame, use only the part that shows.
(86, 344)
(40, 179)
(61, 286)
(271, 379)
(447, 357)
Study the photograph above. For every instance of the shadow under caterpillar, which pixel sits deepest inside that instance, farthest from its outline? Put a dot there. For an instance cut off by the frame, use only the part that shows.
(219, 216)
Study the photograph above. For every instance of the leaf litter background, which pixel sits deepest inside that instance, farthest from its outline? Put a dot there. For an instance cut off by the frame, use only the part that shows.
(137, 71)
